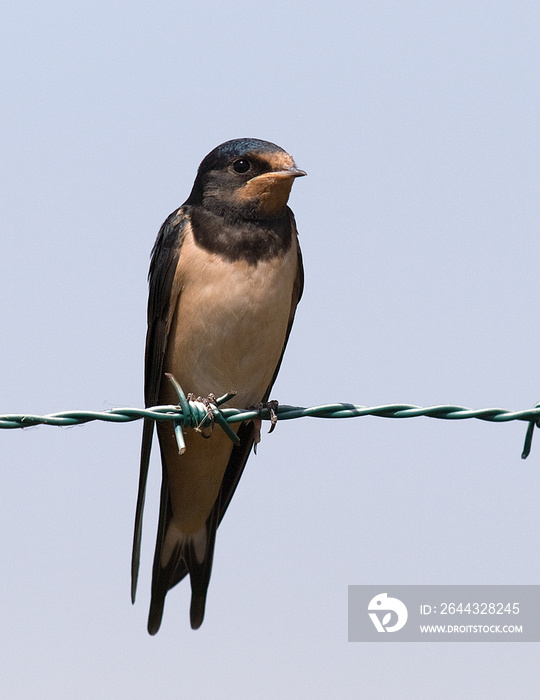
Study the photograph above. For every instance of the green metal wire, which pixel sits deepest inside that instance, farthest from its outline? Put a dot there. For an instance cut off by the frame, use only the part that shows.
(198, 414)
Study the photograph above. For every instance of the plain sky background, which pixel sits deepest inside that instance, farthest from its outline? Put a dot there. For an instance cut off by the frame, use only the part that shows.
(418, 125)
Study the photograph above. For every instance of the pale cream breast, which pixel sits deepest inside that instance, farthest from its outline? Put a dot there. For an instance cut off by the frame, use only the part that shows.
(227, 334)
(231, 318)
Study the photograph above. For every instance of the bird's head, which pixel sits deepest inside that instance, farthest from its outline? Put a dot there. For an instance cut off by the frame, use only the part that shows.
(245, 177)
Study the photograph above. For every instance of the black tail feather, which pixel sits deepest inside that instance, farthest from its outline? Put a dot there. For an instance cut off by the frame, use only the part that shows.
(183, 559)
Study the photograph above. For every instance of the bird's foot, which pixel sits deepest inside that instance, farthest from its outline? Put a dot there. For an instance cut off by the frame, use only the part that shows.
(272, 407)
(209, 402)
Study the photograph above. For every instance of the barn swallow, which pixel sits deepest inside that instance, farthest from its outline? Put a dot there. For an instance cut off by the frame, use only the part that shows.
(225, 278)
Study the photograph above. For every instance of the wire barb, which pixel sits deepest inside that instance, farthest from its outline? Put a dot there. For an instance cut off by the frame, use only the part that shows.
(197, 413)
(193, 413)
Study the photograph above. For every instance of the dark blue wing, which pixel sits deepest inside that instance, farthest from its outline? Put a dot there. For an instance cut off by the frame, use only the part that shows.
(161, 307)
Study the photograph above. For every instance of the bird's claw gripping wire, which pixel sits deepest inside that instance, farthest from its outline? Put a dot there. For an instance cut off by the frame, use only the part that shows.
(209, 402)
(197, 413)
(271, 407)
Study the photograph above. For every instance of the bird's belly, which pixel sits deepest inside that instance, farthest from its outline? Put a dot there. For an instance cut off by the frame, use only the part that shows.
(242, 355)
(229, 328)
(227, 334)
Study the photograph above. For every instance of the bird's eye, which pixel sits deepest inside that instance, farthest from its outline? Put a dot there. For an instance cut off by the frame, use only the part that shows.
(241, 165)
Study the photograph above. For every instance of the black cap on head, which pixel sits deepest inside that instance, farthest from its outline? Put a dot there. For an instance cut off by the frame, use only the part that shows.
(222, 155)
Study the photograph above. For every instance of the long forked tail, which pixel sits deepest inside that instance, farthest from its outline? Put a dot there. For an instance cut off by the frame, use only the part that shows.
(176, 555)
(183, 553)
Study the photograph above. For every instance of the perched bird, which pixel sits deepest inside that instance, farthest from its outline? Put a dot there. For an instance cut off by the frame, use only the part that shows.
(225, 278)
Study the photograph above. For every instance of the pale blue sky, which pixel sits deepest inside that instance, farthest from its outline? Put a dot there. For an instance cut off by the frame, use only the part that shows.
(417, 123)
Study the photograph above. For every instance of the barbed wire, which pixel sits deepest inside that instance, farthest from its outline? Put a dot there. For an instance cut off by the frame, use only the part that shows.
(199, 414)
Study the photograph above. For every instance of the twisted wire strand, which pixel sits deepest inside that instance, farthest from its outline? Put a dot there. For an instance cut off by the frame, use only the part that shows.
(197, 414)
